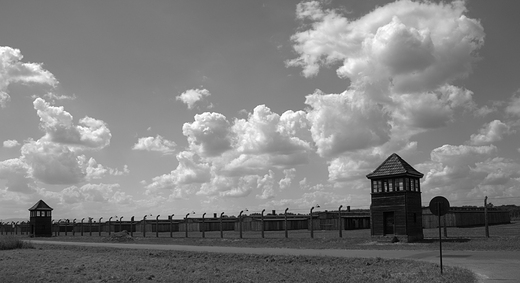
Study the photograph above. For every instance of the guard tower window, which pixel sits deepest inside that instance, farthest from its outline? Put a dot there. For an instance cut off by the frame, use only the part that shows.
(400, 186)
(391, 185)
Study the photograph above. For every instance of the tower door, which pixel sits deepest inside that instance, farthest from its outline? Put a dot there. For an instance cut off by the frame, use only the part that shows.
(388, 222)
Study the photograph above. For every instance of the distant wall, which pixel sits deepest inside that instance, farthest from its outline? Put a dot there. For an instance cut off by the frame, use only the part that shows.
(465, 217)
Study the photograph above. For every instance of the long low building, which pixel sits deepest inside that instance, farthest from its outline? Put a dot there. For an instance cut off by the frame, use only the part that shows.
(465, 217)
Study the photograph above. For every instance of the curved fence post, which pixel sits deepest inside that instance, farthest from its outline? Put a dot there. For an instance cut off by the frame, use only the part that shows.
(221, 226)
(340, 222)
(171, 225)
(99, 226)
(263, 226)
(203, 226)
(286, 231)
(157, 226)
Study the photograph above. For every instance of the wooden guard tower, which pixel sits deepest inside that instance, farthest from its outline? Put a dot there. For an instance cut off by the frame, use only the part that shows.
(396, 207)
(41, 223)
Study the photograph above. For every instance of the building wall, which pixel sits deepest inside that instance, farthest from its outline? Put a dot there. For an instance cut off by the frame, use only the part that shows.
(407, 210)
(465, 218)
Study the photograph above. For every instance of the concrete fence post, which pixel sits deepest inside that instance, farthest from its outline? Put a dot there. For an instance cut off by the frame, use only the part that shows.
(263, 226)
(286, 231)
(221, 226)
(340, 222)
(100, 227)
(203, 226)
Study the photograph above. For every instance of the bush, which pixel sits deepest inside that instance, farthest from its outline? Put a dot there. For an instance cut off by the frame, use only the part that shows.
(11, 243)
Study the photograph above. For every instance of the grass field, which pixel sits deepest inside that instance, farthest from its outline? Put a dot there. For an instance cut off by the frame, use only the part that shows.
(48, 263)
(503, 237)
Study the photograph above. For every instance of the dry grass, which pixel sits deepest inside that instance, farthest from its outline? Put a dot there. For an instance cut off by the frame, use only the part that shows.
(13, 242)
(80, 264)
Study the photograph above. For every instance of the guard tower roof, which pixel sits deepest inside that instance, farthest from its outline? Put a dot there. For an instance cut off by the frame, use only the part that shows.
(40, 205)
(394, 165)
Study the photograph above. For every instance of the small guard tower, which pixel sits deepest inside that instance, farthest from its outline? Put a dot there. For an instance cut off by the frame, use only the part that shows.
(41, 223)
(396, 207)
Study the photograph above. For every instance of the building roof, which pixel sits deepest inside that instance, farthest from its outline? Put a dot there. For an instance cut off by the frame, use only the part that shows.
(394, 165)
(40, 205)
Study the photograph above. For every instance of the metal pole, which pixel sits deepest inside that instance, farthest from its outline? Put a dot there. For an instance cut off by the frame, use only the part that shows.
(263, 227)
(157, 226)
(203, 226)
(440, 238)
(120, 224)
(110, 224)
(310, 222)
(59, 226)
(340, 222)
(74, 227)
(221, 228)
(99, 232)
(286, 233)
(89, 226)
(66, 227)
(486, 217)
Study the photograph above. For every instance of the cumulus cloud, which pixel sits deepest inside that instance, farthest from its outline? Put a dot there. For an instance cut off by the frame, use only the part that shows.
(158, 144)
(189, 171)
(419, 45)
(513, 108)
(346, 122)
(401, 61)
(192, 96)
(468, 172)
(209, 134)
(17, 174)
(52, 163)
(490, 133)
(12, 70)
(103, 193)
(11, 143)
(289, 175)
(59, 127)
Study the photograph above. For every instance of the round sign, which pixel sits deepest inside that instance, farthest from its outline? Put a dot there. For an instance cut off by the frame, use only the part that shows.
(439, 205)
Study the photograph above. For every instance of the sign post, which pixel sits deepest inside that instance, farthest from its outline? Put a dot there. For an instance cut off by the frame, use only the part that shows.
(439, 206)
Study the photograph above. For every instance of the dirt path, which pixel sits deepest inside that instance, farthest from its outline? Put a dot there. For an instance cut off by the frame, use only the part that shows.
(491, 266)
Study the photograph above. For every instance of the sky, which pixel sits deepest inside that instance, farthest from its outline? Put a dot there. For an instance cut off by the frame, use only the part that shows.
(132, 108)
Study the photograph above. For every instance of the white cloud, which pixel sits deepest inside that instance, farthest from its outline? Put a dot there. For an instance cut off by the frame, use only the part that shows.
(209, 134)
(266, 184)
(418, 45)
(346, 122)
(513, 108)
(53, 163)
(490, 133)
(11, 143)
(158, 144)
(289, 175)
(469, 172)
(12, 70)
(192, 96)
(17, 174)
(103, 193)
(189, 171)
(4, 98)
(58, 126)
